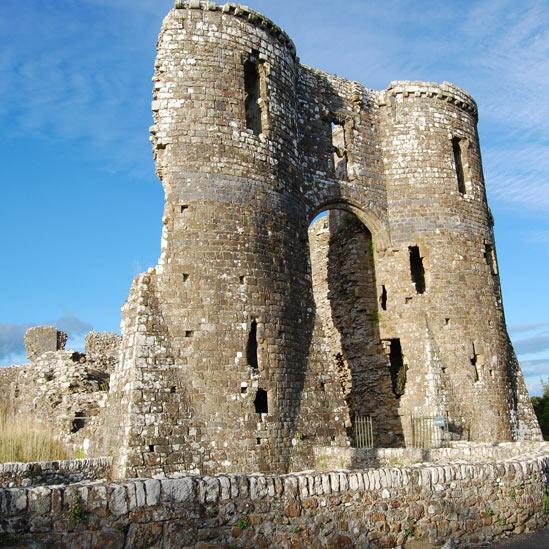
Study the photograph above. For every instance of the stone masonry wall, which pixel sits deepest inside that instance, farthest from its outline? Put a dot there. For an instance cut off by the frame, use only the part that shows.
(62, 389)
(225, 364)
(387, 507)
(53, 472)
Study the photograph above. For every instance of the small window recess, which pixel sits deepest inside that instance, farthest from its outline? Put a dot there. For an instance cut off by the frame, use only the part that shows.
(261, 402)
(242, 280)
(417, 270)
(185, 277)
(251, 347)
(253, 75)
(474, 363)
(490, 258)
(397, 367)
(189, 333)
(184, 208)
(383, 298)
(79, 422)
(339, 148)
(459, 146)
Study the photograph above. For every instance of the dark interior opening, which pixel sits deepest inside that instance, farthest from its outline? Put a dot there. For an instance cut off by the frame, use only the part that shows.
(252, 88)
(398, 369)
(383, 298)
(261, 402)
(189, 333)
(474, 364)
(458, 160)
(78, 422)
(184, 208)
(251, 347)
(416, 269)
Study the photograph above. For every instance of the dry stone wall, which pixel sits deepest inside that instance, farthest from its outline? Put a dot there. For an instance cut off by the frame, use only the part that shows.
(428, 505)
(227, 364)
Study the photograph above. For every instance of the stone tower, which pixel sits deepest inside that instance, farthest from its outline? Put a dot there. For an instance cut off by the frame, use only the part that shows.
(226, 361)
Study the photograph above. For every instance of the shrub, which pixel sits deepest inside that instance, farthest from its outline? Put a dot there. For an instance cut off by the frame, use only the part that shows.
(541, 407)
(24, 438)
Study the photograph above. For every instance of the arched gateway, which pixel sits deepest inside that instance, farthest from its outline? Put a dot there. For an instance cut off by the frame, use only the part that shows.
(223, 367)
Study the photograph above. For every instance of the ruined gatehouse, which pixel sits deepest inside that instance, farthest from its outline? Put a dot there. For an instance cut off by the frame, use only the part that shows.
(265, 330)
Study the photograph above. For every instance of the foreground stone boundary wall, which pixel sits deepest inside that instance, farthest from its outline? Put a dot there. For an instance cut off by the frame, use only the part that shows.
(53, 472)
(466, 503)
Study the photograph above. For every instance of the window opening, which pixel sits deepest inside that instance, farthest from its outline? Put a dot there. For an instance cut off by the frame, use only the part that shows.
(252, 86)
(189, 333)
(151, 447)
(416, 269)
(184, 208)
(457, 147)
(339, 148)
(490, 258)
(185, 277)
(474, 363)
(261, 402)
(398, 369)
(251, 347)
(78, 422)
(383, 298)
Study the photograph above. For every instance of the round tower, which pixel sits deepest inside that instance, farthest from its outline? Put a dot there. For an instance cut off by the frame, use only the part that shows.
(449, 304)
(231, 336)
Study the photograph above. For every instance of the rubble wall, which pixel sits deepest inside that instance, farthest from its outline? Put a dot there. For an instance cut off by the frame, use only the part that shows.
(387, 507)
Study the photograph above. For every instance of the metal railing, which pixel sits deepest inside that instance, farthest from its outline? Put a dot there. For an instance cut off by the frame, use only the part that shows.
(363, 432)
(429, 431)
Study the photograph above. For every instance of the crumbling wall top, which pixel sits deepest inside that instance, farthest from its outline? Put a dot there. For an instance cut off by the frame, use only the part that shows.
(244, 12)
(41, 339)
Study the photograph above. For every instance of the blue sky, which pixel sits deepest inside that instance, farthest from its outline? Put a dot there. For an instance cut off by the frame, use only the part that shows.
(80, 213)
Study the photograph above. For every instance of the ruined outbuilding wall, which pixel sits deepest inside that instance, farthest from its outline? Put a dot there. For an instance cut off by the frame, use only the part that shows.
(62, 389)
(226, 364)
(386, 507)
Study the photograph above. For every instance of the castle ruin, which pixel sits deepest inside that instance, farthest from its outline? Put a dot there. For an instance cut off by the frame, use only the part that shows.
(266, 330)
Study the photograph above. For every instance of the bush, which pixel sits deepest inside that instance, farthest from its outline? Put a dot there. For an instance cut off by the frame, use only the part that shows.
(541, 407)
(24, 438)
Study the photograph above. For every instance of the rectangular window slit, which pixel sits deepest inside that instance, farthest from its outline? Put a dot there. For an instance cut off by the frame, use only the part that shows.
(184, 207)
(251, 347)
(189, 333)
(417, 270)
(383, 298)
(339, 148)
(185, 277)
(490, 258)
(242, 280)
(151, 447)
(397, 367)
(458, 149)
(252, 88)
(261, 402)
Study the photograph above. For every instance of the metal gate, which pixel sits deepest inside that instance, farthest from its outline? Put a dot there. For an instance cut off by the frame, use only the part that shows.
(363, 431)
(429, 431)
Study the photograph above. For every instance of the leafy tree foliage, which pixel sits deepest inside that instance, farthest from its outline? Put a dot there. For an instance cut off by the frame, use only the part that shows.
(541, 407)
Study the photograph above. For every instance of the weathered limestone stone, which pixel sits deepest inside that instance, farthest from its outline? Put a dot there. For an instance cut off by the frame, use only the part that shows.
(41, 339)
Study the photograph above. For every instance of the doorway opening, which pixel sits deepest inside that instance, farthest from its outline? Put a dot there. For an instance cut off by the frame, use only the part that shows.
(348, 308)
